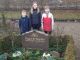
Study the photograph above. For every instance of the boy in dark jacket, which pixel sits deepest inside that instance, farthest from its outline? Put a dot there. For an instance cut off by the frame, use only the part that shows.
(24, 23)
(35, 16)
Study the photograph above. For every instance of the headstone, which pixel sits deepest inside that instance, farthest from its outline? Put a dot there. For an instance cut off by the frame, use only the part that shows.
(35, 40)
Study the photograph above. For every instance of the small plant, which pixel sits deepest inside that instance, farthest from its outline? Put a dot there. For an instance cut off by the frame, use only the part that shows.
(33, 54)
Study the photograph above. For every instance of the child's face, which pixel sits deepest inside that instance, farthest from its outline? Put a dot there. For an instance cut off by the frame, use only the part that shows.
(46, 10)
(35, 6)
(24, 13)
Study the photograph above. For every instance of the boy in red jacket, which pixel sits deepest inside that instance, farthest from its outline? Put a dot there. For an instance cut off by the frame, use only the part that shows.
(47, 20)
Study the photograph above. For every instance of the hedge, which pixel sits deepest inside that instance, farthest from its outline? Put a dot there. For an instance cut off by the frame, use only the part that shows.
(10, 43)
(70, 51)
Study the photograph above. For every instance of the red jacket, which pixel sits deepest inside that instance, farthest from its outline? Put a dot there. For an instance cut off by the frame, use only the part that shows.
(47, 24)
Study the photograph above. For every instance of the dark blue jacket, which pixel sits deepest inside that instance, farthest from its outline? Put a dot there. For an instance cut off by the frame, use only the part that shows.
(24, 24)
(35, 17)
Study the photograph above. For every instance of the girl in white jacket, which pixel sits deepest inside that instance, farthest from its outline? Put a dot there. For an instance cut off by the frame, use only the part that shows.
(47, 20)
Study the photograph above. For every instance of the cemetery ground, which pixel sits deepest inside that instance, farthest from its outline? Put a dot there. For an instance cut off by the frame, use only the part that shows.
(61, 43)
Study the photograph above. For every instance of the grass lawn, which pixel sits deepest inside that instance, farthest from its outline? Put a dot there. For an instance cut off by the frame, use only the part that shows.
(11, 14)
(58, 14)
(67, 14)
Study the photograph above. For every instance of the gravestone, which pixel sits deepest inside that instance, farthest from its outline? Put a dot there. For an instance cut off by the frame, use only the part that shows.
(35, 40)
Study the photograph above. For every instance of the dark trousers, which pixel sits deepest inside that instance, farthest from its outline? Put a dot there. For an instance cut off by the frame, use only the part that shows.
(48, 32)
(36, 26)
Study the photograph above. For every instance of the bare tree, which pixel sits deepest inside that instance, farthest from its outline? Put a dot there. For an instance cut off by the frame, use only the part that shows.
(7, 4)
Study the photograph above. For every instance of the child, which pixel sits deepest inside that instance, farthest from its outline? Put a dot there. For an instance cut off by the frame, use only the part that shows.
(35, 17)
(47, 20)
(24, 22)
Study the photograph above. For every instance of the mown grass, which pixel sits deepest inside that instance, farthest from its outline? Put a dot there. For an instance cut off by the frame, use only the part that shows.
(58, 14)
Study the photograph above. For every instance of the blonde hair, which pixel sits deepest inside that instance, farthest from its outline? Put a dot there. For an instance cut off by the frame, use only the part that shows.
(38, 10)
(46, 7)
